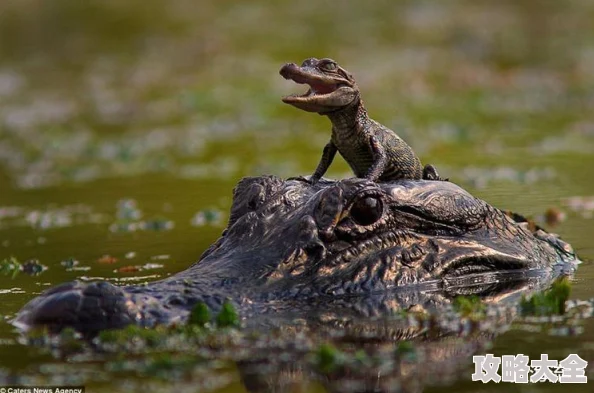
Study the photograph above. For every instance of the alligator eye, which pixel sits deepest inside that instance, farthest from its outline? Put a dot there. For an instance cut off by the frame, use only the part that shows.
(329, 66)
(367, 210)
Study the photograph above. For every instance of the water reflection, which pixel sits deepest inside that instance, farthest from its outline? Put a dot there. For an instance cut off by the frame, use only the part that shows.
(405, 343)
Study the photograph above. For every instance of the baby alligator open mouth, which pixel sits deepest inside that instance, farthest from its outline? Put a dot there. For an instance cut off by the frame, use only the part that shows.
(318, 83)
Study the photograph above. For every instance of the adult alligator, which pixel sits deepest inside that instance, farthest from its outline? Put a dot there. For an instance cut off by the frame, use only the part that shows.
(291, 244)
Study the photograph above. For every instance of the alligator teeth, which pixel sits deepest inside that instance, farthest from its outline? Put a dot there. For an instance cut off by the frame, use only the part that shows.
(378, 243)
(383, 242)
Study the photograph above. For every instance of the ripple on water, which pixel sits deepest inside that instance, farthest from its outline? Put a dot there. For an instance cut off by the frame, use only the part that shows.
(121, 279)
(11, 291)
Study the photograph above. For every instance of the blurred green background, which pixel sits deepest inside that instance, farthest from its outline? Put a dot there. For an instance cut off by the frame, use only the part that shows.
(124, 125)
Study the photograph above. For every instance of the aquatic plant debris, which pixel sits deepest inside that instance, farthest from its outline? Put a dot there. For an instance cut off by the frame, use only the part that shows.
(107, 259)
(228, 316)
(10, 267)
(327, 358)
(550, 302)
(207, 217)
(138, 268)
(33, 267)
(50, 217)
(128, 269)
(200, 315)
(554, 216)
(583, 205)
(327, 352)
(69, 263)
(469, 306)
(129, 219)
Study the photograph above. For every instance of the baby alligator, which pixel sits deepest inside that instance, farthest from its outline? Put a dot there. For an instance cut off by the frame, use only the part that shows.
(372, 150)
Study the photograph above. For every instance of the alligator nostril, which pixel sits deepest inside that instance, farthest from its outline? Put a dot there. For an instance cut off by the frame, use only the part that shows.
(255, 196)
(287, 69)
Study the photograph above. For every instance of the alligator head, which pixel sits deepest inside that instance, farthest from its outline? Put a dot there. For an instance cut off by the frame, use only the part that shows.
(331, 87)
(287, 241)
(356, 236)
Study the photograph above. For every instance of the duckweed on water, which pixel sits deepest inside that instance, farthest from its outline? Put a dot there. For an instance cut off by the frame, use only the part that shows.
(200, 315)
(157, 224)
(174, 352)
(405, 347)
(549, 302)
(469, 306)
(135, 336)
(70, 341)
(69, 263)
(38, 337)
(33, 267)
(162, 365)
(10, 266)
(327, 358)
(207, 217)
(228, 316)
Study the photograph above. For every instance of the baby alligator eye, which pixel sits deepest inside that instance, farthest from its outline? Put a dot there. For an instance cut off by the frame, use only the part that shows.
(328, 66)
(367, 210)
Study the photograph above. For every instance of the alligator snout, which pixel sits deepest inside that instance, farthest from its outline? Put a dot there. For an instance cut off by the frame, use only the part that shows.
(86, 307)
(287, 70)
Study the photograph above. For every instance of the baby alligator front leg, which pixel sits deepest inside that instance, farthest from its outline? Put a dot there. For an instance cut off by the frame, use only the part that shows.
(327, 158)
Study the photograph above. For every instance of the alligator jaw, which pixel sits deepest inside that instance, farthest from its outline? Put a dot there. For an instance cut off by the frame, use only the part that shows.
(320, 86)
(482, 264)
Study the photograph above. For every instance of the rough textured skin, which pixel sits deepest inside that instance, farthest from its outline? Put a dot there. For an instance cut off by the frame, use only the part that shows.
(291, 243)
(372, 150)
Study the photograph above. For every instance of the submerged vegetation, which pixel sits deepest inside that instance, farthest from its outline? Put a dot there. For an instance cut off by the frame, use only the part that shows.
(12, 267)
(195, 347)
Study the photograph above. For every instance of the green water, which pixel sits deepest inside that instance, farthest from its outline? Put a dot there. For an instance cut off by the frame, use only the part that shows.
(166, 104)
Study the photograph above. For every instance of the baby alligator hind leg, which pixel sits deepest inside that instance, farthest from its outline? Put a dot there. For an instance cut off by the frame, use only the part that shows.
(380, 159)
(430, 173)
